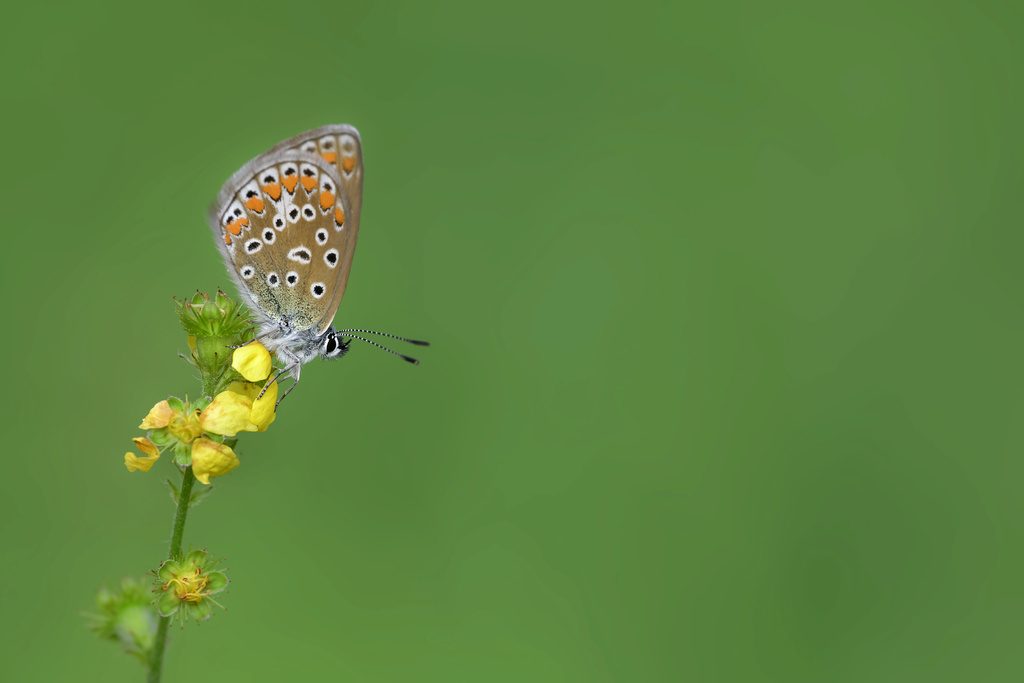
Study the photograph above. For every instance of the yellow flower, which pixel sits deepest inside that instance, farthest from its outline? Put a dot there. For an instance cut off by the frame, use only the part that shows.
(237, 410)
(211, 459)
(252, 362)
(185, 425)
(159, 416)
(228, 414)
(263, 410)
(134, 462)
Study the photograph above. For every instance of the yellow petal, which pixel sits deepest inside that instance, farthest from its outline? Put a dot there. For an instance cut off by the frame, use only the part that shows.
(134, 462)
(228, 414)
(159, 416)
(211, 459)
(147, 447)
(246, 389)
(252, 362)
(263, 409)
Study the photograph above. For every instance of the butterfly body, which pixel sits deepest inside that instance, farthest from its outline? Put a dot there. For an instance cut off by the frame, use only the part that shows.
(286, 224)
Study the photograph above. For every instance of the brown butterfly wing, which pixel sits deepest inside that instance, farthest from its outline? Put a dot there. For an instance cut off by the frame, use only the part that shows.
(282, 226)
(341, 146)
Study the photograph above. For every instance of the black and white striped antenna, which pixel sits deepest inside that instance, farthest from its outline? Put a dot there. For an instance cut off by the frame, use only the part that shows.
(390, 336)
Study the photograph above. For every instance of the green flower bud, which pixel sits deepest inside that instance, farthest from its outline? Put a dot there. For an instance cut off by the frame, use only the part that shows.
(126, 617)
(220, 316)
(186, 585)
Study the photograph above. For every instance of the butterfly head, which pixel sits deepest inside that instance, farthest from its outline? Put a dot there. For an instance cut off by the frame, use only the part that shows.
(332, 346)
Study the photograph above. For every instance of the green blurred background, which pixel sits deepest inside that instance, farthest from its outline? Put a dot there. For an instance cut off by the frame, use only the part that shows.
(724, 301)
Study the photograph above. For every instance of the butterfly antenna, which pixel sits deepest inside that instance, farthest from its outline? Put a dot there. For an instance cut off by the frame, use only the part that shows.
(385, 334)
(396, 353)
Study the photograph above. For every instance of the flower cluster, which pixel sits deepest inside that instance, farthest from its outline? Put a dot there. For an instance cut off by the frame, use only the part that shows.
(239, 394)
(196, 432)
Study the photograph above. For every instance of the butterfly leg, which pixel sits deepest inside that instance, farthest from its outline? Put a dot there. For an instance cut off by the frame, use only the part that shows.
(293, 366)
(289, 389)
(259, 338)
(272, 380)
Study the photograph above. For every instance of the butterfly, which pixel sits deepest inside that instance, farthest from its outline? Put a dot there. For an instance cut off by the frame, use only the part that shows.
(286, 224)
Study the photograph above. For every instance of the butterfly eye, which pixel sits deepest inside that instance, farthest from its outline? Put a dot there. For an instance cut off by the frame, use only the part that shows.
(269, 236)
(291, 278)
(332, 347)
(308, 213)
(273, 280)
(248, 272)
(321, 237)
(317, 290)
(279, 221)
(331, 258)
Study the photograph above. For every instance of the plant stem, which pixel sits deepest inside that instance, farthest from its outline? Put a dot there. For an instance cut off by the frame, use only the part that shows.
(156, 660)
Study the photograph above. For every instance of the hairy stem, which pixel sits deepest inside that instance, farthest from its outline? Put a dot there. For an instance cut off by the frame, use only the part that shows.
(156, 660)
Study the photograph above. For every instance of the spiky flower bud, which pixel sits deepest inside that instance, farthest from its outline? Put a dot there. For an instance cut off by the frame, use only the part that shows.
(124, 616)
(186, 585)
(215, 326)
(220, 316)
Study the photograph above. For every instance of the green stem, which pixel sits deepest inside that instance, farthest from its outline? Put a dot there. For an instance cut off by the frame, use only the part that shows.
(156, 660)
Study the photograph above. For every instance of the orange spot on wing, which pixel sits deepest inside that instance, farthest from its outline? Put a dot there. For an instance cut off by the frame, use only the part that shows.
(348, 163)
(330, 157)
(289, 183)
(234, 228)
(339, 215)
(326, 199)
(256, 204)
(308, 183)
(273, 190)
(244, 221)
(227, 238)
